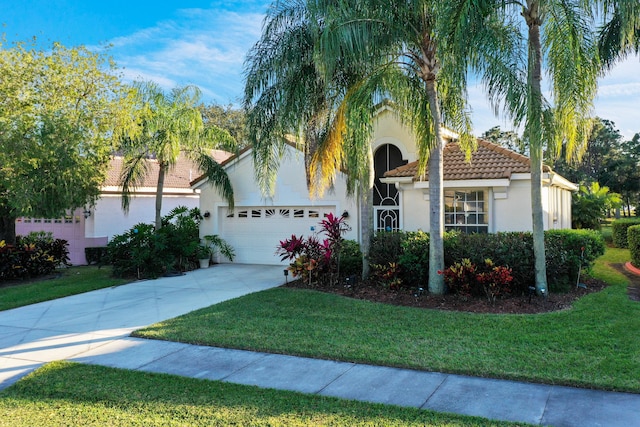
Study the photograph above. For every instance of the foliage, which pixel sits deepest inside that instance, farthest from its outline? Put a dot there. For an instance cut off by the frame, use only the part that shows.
(590, 205)
(514, 250)
(350, 258)
(170, 125)
(386, 246)
(468, 279)
(61, 113)
(226, 117)
(633, 235)
(414, 257)
(507, 139)
(619, 231)
(147, 252)
(95, 254)
(34, 255)
(387, 275)
(214, 242)
(313, 260)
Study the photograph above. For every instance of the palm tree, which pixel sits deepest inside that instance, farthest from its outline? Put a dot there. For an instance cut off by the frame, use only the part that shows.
(288, 99)
(620, 35)
(558, 36)
(408, 63)
(170, 125)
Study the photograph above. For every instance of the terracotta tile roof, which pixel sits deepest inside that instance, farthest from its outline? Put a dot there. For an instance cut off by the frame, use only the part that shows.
(179, 177)
(489, 161)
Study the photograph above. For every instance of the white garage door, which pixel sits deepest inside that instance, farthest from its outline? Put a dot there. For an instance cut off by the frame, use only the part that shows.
(255, 232)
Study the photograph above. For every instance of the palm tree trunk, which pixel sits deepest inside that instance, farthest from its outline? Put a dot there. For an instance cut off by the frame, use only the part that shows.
(436, 197)
(159, 190)
(366, 216)
(535, 144)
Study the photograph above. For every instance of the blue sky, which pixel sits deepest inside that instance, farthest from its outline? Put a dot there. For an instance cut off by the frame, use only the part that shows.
(205, 42)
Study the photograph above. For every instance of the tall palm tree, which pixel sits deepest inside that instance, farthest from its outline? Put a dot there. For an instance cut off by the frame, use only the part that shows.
(620, 35)
(170, 125)
(288, 98)
(409, 63)
(557, 35)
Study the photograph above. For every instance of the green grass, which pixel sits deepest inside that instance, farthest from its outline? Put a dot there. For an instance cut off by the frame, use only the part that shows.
(594, 344)
(74, 280)
(69, 394)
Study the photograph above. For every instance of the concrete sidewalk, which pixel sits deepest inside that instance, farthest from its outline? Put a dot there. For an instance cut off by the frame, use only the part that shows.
(94, 327)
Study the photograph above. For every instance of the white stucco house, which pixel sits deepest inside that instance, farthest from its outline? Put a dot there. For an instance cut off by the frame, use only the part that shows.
(96, 225)
(489, 194)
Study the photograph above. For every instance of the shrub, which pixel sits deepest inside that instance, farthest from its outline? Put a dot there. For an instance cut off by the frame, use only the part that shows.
(34, 255)
(95, 254)
(140, 252)
(414, 257)
(314, 260)
(387, 275)
(350, 258)
(633, 234)
(513, 250)
(619, 231)
(468, 279)
(567, 251)
(386, 247)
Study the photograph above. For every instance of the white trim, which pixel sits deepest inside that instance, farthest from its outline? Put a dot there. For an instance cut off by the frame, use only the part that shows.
(467, 183)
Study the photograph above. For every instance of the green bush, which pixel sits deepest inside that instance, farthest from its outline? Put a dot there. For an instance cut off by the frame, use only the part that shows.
(95, 254)
(386, 247)
(514, 250)
(350, 258)
(566, 252)
(140, 253)
(633, 234)
(414, 258)
(619, 231)
(34, 255)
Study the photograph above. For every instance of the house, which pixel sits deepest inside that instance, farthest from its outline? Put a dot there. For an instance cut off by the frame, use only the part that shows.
(490, 193)
(96, 225)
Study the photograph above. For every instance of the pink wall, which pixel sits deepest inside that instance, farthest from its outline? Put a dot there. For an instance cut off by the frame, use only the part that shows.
(70, 228)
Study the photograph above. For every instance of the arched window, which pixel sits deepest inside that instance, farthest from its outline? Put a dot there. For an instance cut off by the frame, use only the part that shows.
(386, 198)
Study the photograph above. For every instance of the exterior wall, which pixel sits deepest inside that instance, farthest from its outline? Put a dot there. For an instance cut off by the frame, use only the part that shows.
(70, 228)
(415, 210)
(389, 130)
(290, 190)
(108, 219)
(513, 213)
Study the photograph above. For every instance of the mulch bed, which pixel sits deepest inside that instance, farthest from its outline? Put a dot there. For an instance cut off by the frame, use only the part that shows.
(522, 304)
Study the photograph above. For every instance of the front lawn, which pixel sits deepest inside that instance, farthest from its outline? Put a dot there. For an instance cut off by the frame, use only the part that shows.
(594, 344)
(68, 281)
(68, 394)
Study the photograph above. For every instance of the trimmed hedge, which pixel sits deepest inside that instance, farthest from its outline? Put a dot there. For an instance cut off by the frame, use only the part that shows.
(95, 254)
(619, 231)
(564, 254)
(633, 234)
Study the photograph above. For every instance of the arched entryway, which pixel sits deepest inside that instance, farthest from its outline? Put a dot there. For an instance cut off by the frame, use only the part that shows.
(386, 197)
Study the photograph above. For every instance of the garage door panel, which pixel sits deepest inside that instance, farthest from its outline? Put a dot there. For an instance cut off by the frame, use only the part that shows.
(255, 232)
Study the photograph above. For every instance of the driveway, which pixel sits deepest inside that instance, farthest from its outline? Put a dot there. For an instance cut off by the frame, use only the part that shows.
(67, 328)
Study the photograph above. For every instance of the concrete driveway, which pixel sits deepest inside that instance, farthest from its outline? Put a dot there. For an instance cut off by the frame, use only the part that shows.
(67, 328)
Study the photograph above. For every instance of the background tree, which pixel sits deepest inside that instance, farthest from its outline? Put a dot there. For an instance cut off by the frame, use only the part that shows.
(508, 139)
(61, 112)
(591, 204)
(226, 117)
(171, 125)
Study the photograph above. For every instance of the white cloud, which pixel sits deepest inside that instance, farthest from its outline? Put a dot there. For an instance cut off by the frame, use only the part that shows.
(202, 47)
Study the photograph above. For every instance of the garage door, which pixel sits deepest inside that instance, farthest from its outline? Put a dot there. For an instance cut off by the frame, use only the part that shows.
(255, 232)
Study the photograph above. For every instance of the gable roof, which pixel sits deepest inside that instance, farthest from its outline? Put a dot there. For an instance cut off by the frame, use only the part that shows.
(489, 161)
(179, 176)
